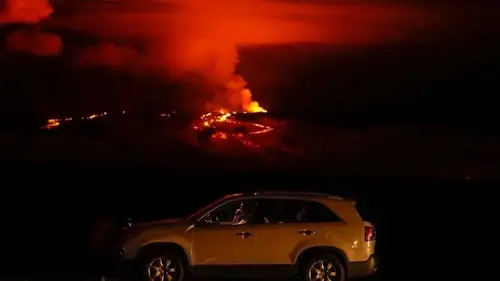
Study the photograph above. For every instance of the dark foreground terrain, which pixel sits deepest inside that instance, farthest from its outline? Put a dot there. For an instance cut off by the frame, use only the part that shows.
(420, 224)
(379, 151)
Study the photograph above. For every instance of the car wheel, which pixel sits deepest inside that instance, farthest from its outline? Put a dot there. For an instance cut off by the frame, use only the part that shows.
(324, 268)
(158, 266)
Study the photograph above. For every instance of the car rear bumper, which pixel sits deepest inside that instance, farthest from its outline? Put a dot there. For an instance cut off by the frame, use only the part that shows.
(363, 268)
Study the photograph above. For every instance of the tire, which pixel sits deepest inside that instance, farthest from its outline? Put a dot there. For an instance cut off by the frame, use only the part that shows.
(149, 263)
(333, 269)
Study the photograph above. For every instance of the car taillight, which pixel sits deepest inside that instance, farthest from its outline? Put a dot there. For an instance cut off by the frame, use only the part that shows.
(369, 233)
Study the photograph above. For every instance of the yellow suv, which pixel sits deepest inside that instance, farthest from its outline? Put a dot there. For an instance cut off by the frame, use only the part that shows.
(260, 235)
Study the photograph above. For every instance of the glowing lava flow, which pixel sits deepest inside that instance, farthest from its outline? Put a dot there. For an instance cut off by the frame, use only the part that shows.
(55, 122)
(222, 124)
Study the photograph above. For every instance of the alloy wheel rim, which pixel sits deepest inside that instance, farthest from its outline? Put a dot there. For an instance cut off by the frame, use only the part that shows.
(161, 269)
(322, 270)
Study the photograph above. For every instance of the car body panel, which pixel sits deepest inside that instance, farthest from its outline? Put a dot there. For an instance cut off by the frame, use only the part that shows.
(221, 245)
(139, 237)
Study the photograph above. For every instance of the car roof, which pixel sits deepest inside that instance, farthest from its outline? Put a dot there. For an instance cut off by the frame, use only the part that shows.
(292, 194)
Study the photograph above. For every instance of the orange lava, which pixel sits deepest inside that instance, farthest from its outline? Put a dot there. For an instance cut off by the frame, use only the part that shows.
(57, 121)
(226, 125)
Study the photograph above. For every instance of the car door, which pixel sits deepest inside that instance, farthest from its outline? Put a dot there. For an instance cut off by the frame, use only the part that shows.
(283, 234)
(277, 237)
(218, 241)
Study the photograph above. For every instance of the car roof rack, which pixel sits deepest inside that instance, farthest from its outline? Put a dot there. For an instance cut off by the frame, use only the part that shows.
(297, 193)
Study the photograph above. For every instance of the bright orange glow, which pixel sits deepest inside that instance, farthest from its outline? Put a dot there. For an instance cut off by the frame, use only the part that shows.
(51, 123)
(248, 104)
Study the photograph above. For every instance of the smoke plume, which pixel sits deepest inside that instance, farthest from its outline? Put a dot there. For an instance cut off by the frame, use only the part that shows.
(24, 11)
(34, 41)
(31, 40)
(109, 55)
(182, 37)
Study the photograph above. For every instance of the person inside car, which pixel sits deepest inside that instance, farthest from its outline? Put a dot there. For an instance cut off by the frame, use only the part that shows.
(243, 214)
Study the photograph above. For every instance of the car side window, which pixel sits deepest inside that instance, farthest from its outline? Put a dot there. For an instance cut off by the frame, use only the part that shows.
(317, 212)
(275, 211)
(278, 211)
(233, 213)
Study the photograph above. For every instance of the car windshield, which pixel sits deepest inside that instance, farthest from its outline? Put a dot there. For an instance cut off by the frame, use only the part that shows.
(210, 206)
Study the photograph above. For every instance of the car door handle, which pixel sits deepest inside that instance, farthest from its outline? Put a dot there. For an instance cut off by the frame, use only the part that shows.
(306, 232)
(244, 234)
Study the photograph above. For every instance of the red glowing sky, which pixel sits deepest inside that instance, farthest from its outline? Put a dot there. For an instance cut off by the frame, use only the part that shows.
(203, 36)
(248, 22)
